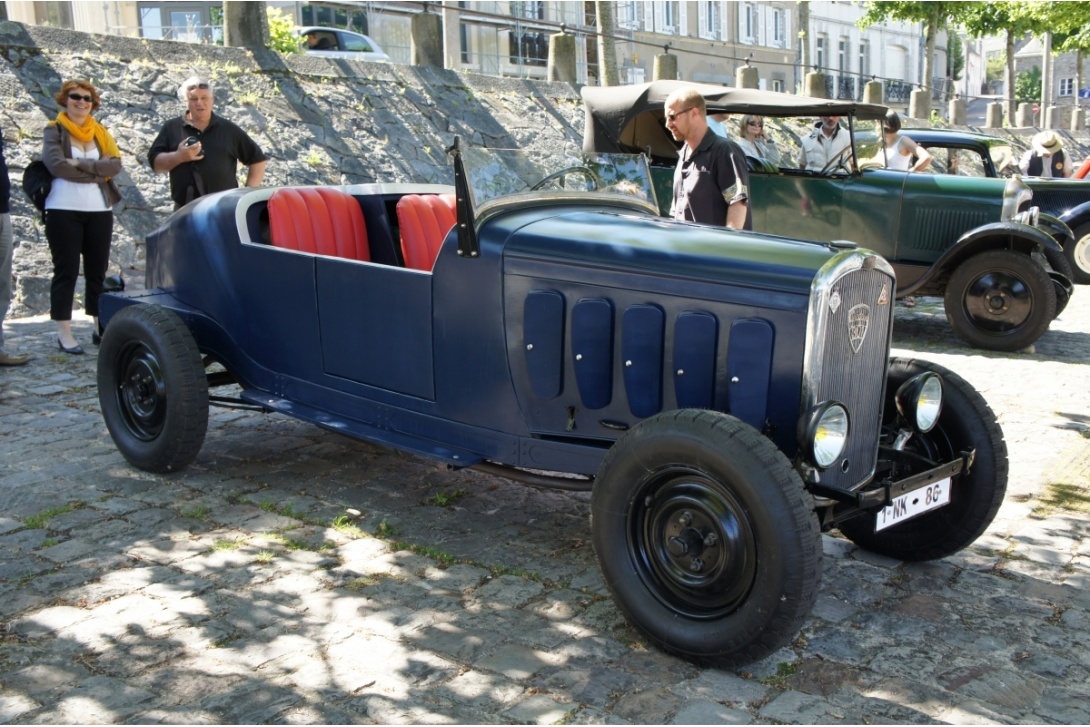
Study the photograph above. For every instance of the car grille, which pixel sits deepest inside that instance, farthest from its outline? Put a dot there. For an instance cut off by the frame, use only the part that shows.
(1057, 202)
(851, 317)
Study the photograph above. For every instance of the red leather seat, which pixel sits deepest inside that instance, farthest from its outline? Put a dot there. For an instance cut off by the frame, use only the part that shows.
(425, 220)
(320, 221)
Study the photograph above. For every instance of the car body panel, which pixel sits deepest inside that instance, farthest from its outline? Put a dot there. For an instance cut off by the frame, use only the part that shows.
(343, 44)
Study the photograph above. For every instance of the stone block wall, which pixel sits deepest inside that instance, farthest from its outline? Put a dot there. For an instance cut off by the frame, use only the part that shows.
(320, 121)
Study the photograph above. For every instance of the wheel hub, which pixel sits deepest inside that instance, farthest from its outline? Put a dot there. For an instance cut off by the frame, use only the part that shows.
(699, 544)
(142, 393)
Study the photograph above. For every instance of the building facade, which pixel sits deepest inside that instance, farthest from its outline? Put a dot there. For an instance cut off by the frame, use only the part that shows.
(709, 39)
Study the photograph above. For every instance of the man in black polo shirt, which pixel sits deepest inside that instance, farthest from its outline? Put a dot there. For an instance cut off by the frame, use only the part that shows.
(711, 182)
(202, 150)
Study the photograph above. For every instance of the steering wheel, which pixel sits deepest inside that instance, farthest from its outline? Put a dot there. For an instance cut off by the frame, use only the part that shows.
(578, 169)
(839, 161)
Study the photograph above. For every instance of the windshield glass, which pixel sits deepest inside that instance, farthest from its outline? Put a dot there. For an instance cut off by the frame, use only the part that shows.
(495, 174)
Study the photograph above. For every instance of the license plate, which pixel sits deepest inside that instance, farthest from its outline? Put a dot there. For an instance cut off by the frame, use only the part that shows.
(914, 503)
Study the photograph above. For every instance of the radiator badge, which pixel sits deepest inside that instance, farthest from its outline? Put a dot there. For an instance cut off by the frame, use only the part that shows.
(834, 301)
(858, 322)
(883, 297)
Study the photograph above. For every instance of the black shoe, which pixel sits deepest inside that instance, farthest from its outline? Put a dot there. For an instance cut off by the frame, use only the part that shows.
(76, 350)
(95, 338)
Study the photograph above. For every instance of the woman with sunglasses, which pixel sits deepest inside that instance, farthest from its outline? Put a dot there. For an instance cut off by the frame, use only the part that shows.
(752, 139)
(84, 160)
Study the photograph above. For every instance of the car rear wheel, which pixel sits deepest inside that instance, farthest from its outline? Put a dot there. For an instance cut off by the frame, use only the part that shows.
(152, 388)
(965, 423)
(1077, 252)
(1000, 300)
(706, 537)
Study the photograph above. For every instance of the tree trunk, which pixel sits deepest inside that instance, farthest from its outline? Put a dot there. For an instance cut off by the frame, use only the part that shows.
(804, 36)
(1009, 79)
(245, 24)
(928, 72)
(607, 50)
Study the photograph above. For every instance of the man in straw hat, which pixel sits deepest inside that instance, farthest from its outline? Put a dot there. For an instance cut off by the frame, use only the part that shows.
(1046, 157)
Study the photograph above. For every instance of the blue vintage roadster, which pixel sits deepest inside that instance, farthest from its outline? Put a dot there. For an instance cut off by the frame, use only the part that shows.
(726, 396)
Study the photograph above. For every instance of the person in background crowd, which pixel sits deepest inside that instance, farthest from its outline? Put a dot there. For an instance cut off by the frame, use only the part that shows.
(7, 240)
(828, 141)
(1045, 157)
(711, 182)
(718, 124)
(900, 149)
(84, 159)
(752, 139)
(316, 42)
(201, 150)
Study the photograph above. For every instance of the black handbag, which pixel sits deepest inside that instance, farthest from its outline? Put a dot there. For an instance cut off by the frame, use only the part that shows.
(37, 182)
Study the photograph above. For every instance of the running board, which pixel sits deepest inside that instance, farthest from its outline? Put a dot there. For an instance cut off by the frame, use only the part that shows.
(359, 430)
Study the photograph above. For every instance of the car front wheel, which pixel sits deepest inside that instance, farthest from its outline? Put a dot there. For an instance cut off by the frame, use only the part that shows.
(152, 388)
(1000, 300)
(1077, 252)
(706, 537)
(965, 424)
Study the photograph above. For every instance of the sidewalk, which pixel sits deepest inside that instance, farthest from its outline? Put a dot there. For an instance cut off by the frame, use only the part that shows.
(295, 576)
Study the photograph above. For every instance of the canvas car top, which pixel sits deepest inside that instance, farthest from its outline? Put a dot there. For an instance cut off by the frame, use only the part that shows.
(629, 118)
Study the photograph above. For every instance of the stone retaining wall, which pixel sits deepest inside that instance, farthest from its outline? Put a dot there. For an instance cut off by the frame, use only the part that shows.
(320, 121)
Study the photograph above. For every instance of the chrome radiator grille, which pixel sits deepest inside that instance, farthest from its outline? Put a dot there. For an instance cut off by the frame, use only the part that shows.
(851, 316)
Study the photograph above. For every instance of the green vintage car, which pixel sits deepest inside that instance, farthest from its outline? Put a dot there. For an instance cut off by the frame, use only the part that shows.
(977, 242)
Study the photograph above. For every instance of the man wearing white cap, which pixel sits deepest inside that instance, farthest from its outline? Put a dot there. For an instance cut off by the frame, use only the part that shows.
(1046, 157)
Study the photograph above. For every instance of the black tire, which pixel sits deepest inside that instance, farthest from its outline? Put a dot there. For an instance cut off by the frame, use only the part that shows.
(966, 422)
(1000, 300)
(1077, 252)
(152, 388)
(664, 489)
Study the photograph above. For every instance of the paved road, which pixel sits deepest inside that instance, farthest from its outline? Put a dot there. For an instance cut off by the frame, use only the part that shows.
(223, 593)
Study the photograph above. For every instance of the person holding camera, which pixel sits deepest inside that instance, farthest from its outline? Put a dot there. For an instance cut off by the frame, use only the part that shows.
(201, 150)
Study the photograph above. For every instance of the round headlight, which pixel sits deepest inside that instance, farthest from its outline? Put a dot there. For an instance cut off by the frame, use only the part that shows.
(919, 400)
(826, 433)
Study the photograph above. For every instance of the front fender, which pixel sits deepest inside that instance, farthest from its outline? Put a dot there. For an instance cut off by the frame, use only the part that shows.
(1076, 217)
(993, 236)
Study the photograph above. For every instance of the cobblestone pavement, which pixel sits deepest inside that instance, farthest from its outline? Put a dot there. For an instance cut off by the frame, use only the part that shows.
(225, 593)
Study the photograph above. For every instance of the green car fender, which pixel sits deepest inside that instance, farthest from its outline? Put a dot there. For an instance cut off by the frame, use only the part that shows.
(993, 236)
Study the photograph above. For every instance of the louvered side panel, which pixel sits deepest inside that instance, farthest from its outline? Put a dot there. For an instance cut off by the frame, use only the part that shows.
(934, 229)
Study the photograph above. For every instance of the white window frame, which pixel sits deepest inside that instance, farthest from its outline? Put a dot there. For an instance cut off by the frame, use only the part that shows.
(747, 32)
(820, 51)
(629, 15)
(1067, 87)
(864, 61)
(779, 28)
(710, 19)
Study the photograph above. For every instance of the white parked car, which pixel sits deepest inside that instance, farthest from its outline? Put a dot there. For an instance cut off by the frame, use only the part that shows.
(336, 43)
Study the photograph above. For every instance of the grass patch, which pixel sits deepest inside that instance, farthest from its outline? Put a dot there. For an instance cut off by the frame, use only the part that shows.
(358, 584)
(265, 557)
(783, 672)
(40, 521)
(1059, 496)
(225, 544)
(48, 543)
(385, 530)
(346, 525)
(197, 512)
(446, 499)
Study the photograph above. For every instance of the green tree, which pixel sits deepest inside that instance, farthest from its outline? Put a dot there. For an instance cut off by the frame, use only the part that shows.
(1027, 85)
(934, 16)
(282, 36)
(1069, 23)
(955, 55)
(1007, 19)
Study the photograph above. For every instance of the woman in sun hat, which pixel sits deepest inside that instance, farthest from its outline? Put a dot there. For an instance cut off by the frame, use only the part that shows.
(1046, 157)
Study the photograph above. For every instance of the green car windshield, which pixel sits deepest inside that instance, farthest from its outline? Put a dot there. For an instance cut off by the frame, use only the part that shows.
(502, 176)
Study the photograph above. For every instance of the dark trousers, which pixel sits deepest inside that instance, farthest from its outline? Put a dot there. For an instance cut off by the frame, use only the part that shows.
(73, 235)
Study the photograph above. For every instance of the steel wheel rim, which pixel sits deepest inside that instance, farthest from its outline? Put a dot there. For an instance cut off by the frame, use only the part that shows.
(141, 391)
(1082, 254)
(692, 543)
(998, 302)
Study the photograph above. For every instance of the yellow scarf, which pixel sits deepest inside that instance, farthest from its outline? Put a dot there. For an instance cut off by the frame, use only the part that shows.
(90, 129)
